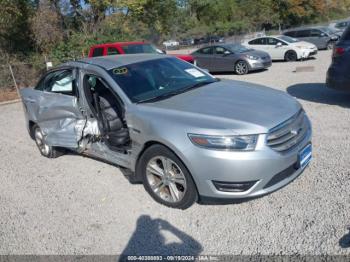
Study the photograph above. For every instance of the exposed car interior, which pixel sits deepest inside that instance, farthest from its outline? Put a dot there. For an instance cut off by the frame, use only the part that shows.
(108, 110)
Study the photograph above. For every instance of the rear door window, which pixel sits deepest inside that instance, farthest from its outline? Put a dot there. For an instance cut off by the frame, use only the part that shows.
(219, 50)
(259, 41)
(112, 51)
(206, 51)
(97, 52)
(303, 33)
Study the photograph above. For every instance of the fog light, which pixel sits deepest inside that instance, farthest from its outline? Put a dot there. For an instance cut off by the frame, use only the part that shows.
(233, 187)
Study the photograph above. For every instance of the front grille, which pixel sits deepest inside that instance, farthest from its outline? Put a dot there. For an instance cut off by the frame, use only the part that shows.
(288, 134)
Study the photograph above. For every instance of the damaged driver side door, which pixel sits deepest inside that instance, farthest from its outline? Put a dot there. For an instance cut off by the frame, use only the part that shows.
(54, 106)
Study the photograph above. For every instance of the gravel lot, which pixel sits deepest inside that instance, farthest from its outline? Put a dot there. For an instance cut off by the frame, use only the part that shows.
(77, 205)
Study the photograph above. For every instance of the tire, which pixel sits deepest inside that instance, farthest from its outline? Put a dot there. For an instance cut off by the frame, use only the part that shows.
(291, 56)
(330, 46)
(166, 178)
(241, 68)
(44, 149)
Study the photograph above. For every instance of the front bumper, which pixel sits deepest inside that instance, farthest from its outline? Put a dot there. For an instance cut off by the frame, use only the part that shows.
(308, 53)
(259, 64)
(270, 170)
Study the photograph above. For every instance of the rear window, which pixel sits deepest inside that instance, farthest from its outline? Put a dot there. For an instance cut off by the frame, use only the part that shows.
(291, 33)
(139, 49)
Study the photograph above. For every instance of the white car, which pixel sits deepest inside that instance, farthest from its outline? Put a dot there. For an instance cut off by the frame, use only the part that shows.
(171, 43)
(283, 47)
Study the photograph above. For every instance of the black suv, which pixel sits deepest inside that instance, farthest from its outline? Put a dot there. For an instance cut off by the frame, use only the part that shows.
(338, 75)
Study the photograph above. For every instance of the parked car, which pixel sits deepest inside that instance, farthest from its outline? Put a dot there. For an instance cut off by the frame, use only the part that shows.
(231, 57)
(339, 26)
(119, 48)
(209, 40)
(186, 135)
(322, 37)
(338, 75)
(283, 47)
(187, 42)
(171, 44)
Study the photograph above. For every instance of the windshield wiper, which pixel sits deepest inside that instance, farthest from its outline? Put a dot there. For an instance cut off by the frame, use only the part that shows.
(177, 92)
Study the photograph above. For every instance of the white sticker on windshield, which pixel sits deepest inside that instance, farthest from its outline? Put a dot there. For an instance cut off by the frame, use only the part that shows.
(194, 72)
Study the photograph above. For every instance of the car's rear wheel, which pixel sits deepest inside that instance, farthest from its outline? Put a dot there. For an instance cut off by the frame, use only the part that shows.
(291, 56)
(241, 68)
(44, 148)
(166, 178)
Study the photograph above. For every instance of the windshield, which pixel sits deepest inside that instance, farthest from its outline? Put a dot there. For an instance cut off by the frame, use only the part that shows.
(288, 39)
(236, 48)
(158, 78)
(140, 48)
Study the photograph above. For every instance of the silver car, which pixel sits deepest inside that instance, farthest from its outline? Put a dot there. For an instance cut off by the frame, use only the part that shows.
(185, 134)
(231, 57)
(322, 37)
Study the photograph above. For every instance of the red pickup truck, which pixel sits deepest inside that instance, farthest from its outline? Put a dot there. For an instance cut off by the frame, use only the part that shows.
(119, 48)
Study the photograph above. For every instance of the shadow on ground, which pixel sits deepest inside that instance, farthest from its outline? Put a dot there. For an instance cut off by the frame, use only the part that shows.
(233, 73)
(319, 93)
(149, 239)
(344, 242)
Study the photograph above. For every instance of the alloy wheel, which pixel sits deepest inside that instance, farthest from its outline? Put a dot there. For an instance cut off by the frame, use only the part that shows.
(40, 141)
(241, 68)
(166, 179)
(291, 56)
(330, 46)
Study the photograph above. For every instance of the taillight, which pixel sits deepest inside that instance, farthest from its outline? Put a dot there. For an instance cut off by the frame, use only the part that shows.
(338, 51)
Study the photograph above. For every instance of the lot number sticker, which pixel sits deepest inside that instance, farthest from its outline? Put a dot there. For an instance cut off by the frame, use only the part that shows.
(194, 72)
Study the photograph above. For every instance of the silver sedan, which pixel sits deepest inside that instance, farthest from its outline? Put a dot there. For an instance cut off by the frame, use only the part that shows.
(181, 132)
(231, 58)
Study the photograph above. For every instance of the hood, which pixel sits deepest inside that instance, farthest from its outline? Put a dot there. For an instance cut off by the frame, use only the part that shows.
(227, 105)
(187, 58)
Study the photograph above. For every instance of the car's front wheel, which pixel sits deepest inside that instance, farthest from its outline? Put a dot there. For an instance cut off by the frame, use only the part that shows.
(241, 68)
(330, 45)
(44, 148)
(291, 56)
(166, 178)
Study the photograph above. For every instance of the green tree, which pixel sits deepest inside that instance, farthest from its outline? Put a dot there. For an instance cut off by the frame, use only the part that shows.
(14, 25)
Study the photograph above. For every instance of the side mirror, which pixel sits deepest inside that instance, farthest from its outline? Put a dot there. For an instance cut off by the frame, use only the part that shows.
(323, 34)
(227, 53)
(279, 44)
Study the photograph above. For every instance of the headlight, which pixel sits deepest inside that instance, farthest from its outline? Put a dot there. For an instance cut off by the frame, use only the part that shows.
(253, 57)
(234, 143)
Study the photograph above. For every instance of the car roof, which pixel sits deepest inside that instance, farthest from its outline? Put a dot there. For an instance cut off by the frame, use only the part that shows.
(307, 28)
(113, 61)
(119, 43)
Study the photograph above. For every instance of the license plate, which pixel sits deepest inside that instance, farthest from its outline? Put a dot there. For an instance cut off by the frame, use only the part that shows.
(305, 156)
